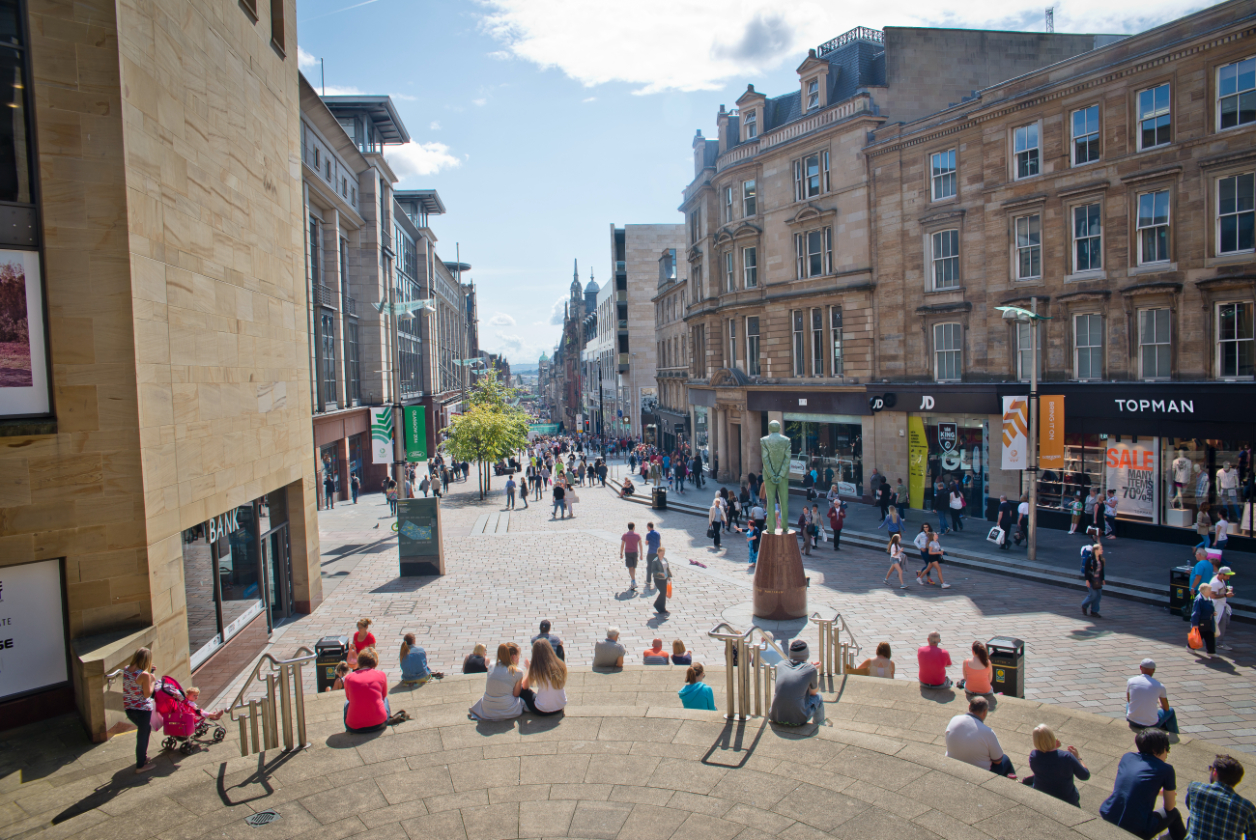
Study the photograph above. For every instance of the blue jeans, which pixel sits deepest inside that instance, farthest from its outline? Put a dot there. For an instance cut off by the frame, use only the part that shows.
(560, 507)
(1003, 767)
(1166, 719)
(1093, 597)
(942, 521)
(815, 708)
(1206, 542)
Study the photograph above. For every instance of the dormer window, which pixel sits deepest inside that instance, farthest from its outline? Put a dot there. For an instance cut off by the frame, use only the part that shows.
(813, 94)
(751, 122)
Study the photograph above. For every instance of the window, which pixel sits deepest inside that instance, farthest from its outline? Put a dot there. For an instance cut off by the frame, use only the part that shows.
(817, 342)
(811, 176)
(751, 123)
(276, 26)
(946, 259)
(813, 94)
(1024, 349)
(814, 252)
(752, 346)
(729, 284)
(1236, 93)
(316, 271)
(1153, 227)
(835, 329)
(732, 343)
(327, 343)
(800, 364)
(748, 203)
(318, 158)
(946, 352)
(750, 266)
(250, 6)
(728, 204)
(1236, 214)
(1235, 357)
(1154, 120)
(1028, 246)
(1026, 150)
(1088, 347)
(1087, 238)
(1153, 343)
(942, 168)
(1086, 135)
(693, 227)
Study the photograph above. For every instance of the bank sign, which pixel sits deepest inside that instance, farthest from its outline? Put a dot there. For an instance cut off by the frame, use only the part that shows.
(32, 631)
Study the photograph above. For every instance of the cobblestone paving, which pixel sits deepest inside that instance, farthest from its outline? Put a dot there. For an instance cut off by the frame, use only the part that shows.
(499, 586)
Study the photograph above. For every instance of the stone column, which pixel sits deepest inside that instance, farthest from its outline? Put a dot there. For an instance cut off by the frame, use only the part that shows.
(307, 579)
(720, 416)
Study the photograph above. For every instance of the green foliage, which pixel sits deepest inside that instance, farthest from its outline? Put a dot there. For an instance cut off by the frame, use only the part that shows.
(491, 430)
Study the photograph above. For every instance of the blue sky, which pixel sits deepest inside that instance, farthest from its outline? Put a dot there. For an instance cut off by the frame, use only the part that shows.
(541, 122)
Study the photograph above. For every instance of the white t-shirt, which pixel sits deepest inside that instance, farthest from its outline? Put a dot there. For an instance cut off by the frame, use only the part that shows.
(550, 699)
(1181, 470)
(1218, 585)
(1222, 528)
(1144, 703)
(1022, 509)
(1228, 479)
(972, 742)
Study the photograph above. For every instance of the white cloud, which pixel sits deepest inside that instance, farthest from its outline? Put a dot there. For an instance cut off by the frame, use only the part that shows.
(501, 319)
(435, 126)
(589, 99)
(499, 55)
(304, 60)
(558, 310)
(340, 90)
(415, 159)
(517, 350)
(704, 44)
(480, 101)
(405, 97)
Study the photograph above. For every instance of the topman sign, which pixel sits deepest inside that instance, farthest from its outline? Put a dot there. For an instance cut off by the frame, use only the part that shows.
(1162, 406)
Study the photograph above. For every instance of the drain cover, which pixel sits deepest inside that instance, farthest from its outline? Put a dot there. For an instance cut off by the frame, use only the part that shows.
(261, 818)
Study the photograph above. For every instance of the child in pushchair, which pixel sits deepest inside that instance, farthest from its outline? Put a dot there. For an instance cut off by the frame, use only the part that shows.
(183, 719)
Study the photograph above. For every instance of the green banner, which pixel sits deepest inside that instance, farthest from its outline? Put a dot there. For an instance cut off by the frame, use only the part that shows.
(416, 433)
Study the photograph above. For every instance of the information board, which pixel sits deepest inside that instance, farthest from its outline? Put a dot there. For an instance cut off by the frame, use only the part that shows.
(32, 628)
(418, 537)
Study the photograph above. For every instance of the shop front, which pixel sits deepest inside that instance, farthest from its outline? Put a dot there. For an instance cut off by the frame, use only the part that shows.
(238, 578)
(339, 443)
(825, 431)
(1166, 449)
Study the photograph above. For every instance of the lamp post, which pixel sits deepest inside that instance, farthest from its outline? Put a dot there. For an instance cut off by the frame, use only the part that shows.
(1030, 316)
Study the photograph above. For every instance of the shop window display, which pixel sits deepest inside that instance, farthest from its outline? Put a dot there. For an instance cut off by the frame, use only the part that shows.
(957, 454)
(222, 578)
(1198, 470)
(1084, 456)
(833, 449)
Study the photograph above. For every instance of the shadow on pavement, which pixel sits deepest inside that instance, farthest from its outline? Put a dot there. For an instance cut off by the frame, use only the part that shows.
(732, 739)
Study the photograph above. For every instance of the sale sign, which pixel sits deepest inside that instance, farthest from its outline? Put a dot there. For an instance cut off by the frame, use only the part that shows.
(1131, 472)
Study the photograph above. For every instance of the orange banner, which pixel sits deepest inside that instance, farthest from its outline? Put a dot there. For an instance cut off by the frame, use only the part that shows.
(1051, 433)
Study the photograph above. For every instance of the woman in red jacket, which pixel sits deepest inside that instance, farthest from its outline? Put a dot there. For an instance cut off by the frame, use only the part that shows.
(837, 516)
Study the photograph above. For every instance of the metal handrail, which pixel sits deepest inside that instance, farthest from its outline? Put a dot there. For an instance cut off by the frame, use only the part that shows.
(275, 706)
(835, 655)
(750, 669)
(111, 677)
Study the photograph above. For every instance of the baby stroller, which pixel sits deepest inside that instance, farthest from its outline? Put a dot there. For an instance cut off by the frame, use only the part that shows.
(182, 722)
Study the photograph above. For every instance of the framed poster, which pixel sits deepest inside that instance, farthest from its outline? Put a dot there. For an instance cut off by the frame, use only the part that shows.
(382, 435)
(32, 628)
(23, 351)
(1131, 472)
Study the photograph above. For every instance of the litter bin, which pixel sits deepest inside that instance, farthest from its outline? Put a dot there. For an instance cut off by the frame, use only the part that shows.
(1008, 658)
(328, 651)
(1180, 590)
(658, 498)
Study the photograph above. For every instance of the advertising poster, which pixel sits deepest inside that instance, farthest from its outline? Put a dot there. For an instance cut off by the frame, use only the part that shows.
(917, 461)
(649, 400)
(416, 433)
(382, 435)
(32, 632)
(1051, 433)
(1131, 469)
(1015, 433)
(23, 364)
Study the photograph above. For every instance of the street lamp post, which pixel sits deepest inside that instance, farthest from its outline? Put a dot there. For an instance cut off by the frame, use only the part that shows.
(1030, 316)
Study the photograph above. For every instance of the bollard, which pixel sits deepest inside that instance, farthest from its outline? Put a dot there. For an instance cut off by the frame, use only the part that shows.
(285, 713)
(300, 700)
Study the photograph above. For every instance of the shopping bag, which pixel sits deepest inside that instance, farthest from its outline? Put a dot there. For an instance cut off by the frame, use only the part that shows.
(669, 589)
(156, 721)
(1194, 639)
(997, 535)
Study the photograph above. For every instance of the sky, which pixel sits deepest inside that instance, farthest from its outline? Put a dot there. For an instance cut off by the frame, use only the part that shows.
(543, 122)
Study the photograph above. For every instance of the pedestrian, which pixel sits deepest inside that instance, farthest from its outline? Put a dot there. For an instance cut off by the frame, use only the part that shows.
(662, 576)
(391, 494)
(1109, 515)
(940, 505)
(895, 548)
(571, 500)
(883, 496)
(329, 490)
(1204, 617)
(716, 520)
(1222, 592)
(837, 518)
(1221, 529)
(1053, 768)
(753, 533)
(1077, 506)
(560, 504)
(1093, 572)
(629, 551)
(1147, 701)
(804, 529)
(138, 684)
(922, 545)
(956, 504)
(1022, 521)
(817, 526)
(892, 523)
(355, 487)
(1141, 778)
(1217, 812)
(935, 564)
(901, 499)
(523, 490)
(653, 540)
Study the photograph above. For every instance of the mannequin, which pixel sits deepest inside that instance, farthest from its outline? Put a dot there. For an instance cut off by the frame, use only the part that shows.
(1181, 467)
(1201, 484)
(1227, 489)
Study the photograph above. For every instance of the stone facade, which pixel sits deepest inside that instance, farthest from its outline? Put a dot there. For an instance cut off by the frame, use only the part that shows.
(171, 204)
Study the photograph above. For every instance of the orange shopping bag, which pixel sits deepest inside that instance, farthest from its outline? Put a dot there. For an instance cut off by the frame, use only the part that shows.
(1194, 639)
(669, 589)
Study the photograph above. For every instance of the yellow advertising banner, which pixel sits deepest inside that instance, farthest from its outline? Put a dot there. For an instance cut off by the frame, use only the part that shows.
(917, 461)
(1051, 433)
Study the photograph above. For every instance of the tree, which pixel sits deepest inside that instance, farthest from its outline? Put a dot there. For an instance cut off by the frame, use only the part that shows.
(492, 429)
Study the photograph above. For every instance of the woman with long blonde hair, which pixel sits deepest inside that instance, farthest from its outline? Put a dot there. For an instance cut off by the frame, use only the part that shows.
(542, 689)
(502, 687)
(138, 684)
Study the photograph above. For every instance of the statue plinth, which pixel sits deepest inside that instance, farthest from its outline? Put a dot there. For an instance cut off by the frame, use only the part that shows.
(780, 586)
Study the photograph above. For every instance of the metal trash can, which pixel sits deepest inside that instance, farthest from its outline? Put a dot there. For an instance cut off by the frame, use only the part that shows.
(328, 652)
(1008, 658)
(1180, 590)
(658, 498)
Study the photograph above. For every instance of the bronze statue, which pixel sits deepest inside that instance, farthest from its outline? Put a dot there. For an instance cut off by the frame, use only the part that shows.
(775, 447)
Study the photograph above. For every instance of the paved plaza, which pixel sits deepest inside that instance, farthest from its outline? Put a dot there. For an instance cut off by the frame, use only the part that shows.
(500, 584)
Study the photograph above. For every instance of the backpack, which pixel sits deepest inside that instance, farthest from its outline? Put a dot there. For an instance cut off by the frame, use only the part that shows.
(1086, 552)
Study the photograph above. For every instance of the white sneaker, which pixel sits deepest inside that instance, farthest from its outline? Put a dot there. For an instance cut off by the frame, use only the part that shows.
(946, 586)
(1224, 647)
(919, 581)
